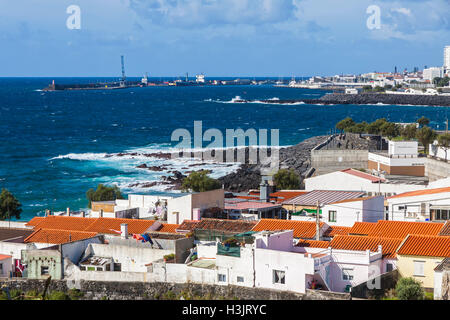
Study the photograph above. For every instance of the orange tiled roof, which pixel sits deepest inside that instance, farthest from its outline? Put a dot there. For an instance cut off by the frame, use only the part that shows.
(302, 229)
(107, 225)
(168, 228)
(362, 228)
(4, 256)
(335, 230)
(313, 244)
(362, 243)
(400, 229)
(65, 223)
(55, 236)
(421, 192)
(428, 246)
(445, 231)
(34, 222)
(187, 225)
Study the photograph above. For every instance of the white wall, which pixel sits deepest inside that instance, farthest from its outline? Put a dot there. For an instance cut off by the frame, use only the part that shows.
(295, 265)
(179, 209)
(343, 181)
(14, 249)
(234, 267)
(131, 258)
(439, 152)
(438, 275)
(6, 267)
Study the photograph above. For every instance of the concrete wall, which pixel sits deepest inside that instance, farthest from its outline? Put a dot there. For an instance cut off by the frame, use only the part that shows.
(234, 267)
(15, 249)
(36, 259)
(14, 224)
(325, 161)
(435, 169)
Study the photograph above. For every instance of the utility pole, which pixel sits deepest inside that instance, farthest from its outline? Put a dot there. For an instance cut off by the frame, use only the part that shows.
(318, 221)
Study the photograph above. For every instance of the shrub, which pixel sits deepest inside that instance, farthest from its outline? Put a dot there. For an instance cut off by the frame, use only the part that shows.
(287, 179)
(58, 295)
(75, 294)
(409, 289)
(169, 257)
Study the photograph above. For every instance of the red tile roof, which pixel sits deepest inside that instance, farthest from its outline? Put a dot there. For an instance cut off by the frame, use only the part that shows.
(65, 223)
(108, 225)
(421, 192)
(187, 225)
(98, 225)
(428, 246)
(313, 244)
(363, 175)
(168, 228)
(362, 228)
(55, 236)
(34, 222)
(445, 231)
(237, 226)
(362, 243)
(4, 256)
(400, 229)
(302, 229)
(335, 230)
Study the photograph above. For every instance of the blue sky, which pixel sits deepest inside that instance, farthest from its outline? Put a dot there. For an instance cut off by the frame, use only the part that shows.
(220, 37)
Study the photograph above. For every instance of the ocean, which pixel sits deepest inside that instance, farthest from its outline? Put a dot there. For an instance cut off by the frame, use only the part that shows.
(53, 144)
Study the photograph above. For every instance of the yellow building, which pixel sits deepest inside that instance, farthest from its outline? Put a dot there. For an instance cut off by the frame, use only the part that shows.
(418, 255)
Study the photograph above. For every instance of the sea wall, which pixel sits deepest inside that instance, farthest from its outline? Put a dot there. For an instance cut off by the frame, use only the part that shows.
(393, 99)
(97, 290)
(326, 161)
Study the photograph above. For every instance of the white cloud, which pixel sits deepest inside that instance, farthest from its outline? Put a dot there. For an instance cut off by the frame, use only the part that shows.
(200, 13)
(405, 11)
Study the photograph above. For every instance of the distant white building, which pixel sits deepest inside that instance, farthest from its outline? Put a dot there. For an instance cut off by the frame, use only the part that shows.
(431, 73)
(439, 152)
(447, 59)
(401, 159)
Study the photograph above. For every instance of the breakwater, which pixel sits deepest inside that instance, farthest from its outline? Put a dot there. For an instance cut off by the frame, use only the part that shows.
(366, 98)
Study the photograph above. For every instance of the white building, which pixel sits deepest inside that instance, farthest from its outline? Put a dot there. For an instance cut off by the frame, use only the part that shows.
(439, 152)
(447, 59)
(423, 205)
(431, 73)
(355, 180)
(191, 206)
(401, 159)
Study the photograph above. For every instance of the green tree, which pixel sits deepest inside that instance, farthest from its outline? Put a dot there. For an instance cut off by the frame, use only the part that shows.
(358, 128)
(423, 122)
(199, 182)
(409, 289)
(390, 130)
(345, 124)
(444, 142)
(425, 135)
(409, 131)
(367, 88)
(379, 89)
(103, 193)
(9, 206)
(375, 127)
(287, 179)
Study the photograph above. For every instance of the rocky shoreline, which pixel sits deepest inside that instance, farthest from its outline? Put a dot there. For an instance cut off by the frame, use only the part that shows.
(366, 98)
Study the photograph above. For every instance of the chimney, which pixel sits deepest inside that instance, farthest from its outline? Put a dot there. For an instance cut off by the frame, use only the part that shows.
(68, 211)
(83, 214)
(264, 190)
(101, 213)
(124, 230)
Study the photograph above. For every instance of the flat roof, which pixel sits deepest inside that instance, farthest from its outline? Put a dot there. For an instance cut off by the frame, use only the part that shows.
(204, 263)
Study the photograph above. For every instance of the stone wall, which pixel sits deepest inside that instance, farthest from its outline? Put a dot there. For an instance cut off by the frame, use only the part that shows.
(386, 281)
(326, 161)
(97, 290)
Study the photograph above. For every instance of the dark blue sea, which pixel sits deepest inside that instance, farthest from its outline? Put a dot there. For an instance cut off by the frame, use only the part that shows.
(53, 144)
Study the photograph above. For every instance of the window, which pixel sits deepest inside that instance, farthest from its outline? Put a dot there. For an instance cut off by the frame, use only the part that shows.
(1, 268)
(419, 268)
(332, 216)
(108, 267)
(240, 279)
(99, 269)
(347, 274)
(279, 276)
(117, 267)
(389, 267)
(222, 277)
(44, 271)
(83, 268)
